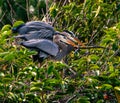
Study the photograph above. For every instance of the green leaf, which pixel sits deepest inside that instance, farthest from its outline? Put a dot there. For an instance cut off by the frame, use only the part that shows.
(100, 101)
(11, 96)
(93, 58)
(97, 12)
(37, 100)
(21, 74)
(55, 72)
(29, 52)
(51, 81)
(36, 84)
(82, 62)
(84, 100)
(113, 75)
(107, 40)
(1, 94)
(118, 25)
(2, 74)
(117, 88)
(53, 11)
(7, 80)
(30, 95)
(94, 66)
(17, 23)
(4, 53)
(50, 69)
(6, 28)
(10, 56)
(20, 83)
(1, 3)
(48, 88)
(106, 87)
(35, 89)
(33, 74)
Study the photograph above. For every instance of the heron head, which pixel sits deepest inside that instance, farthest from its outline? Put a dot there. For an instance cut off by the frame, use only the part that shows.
(69, 32)
(69, 38)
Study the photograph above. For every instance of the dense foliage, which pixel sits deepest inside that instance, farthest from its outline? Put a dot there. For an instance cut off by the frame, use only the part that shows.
(91, 75)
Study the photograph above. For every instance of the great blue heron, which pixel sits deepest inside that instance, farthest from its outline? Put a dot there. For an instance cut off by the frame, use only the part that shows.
(46, 41)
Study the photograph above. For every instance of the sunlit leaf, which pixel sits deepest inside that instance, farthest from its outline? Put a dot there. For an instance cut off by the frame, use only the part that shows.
(10, 56)
(106, 87)
(52, 81)
(6, 28)
(20, 83)
(36, 84)
(2, 74)
(84, 100)
(117, 88)
(93, 58)
(17, 23)
(94, 66)
(97, 12)
(35, 89)
(11, 96)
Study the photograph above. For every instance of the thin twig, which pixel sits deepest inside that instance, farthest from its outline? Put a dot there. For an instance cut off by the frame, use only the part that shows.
(64, 2)
(91, 47)
(72, 71)
(12, 10)
(20, 6)
(101, 56)
(95, 33)
(56, 17)
(105, 63)
(2, 17)
(47, 8)
(68, 101)
(27, 9)
(59, 3)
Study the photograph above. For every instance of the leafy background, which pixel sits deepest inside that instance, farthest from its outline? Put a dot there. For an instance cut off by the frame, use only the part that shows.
(91, 75)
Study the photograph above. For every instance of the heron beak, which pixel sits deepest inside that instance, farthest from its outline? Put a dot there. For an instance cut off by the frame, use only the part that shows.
(72, 40)
(67, 41)
(76, 40)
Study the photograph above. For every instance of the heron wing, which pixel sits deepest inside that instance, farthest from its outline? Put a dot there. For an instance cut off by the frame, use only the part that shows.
(39, 24)
(41, 34)
(44, 45)
(37, 29)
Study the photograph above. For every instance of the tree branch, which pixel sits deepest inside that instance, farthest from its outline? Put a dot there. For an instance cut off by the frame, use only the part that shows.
(91, 47)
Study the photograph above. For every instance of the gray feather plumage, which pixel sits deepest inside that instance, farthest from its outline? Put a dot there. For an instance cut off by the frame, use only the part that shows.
(35, 26)
(44, 45)
(44, 34)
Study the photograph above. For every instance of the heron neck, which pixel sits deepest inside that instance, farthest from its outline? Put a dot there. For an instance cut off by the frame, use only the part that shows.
(65, 51)
(60, 56)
